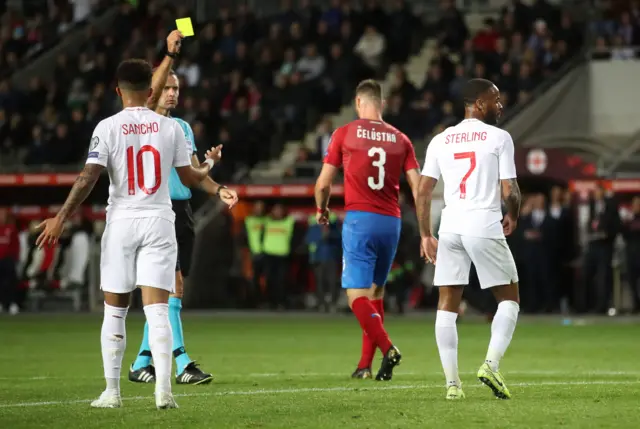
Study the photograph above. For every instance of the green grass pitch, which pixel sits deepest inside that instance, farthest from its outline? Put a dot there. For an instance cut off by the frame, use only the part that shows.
(286, 371)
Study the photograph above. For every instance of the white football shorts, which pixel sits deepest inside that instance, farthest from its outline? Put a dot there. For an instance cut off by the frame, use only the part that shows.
(138, 252)
(491, 256)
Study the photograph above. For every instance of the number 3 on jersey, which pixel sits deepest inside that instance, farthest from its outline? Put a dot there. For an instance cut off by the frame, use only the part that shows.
(471, 156)
(131, 173)
(382, 159)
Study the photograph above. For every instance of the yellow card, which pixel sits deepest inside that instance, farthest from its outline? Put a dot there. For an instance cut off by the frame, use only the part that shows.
(185, 26)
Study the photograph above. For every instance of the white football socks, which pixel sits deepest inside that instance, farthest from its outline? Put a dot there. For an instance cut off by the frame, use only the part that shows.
(160, 341)
(447, 340)
(502, 328)
(113, 339)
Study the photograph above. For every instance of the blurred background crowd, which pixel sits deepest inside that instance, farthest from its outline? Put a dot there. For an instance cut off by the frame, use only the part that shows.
(255, 81)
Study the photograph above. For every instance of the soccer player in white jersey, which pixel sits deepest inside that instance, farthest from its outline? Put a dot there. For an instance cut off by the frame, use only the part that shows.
(476, 161)
(138, 148)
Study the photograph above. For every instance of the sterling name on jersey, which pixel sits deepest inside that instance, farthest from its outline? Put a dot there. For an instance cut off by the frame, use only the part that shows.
(472, 158)
(374, 155)
(139, 148)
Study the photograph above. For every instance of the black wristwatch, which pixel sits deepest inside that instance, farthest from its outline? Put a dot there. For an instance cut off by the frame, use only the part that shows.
(173, 55)
(221, 187)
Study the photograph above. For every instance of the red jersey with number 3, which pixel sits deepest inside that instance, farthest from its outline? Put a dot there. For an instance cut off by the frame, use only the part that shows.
(373, 155)
(472, 158)
(139, 148)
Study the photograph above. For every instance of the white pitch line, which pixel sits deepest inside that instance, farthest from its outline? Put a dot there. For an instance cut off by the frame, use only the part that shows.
(320, 390)
(346, 373)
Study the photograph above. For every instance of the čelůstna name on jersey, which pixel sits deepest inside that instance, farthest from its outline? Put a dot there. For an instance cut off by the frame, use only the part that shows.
(374, 135)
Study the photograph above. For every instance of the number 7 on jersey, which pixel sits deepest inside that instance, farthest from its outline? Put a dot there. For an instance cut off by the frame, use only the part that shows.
(471, 156)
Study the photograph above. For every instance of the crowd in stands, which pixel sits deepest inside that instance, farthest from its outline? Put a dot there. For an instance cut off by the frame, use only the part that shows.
(618, 32)
(38, 25)
(246, 82)
(518, 50)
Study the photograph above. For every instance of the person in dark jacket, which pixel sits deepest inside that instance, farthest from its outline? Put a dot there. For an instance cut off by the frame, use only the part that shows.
(9, 254)
(602, 228)
(324, 246)
(631, 234)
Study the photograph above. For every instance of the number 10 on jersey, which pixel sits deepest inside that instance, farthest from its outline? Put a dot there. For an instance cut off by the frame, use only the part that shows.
(131, 170)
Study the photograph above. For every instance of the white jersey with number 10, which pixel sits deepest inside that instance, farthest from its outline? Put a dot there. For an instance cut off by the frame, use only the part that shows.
(139, 147)
(472, 158)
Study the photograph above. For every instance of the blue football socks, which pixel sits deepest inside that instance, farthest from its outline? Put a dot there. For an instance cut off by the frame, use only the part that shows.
(181, 356)
(144, 355)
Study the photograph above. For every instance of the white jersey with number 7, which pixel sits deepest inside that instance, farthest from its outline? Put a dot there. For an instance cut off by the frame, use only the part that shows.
(139, 148)
(472, 158)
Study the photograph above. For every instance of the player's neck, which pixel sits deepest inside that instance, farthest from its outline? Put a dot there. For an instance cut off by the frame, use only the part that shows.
(130, 102)
(372, 116)
(473, 114)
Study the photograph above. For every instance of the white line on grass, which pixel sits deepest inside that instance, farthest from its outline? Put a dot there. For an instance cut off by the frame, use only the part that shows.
(346, 374)
(319, 390)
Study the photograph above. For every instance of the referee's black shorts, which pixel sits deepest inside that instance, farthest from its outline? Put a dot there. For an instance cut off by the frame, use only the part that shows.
(184, 234)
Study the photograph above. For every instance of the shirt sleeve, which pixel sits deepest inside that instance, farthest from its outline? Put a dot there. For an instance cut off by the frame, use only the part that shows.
(506, 159)
(334, 151)
(188, 134)
(181, 156)
(410, 161)
(431, 167)
(99, 146)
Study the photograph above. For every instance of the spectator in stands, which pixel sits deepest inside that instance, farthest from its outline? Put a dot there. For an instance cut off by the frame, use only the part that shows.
(371, 48)
(603, 226)
(9, 253)
(620, 51)
(311, 65)
(451, 27)
(631, 234)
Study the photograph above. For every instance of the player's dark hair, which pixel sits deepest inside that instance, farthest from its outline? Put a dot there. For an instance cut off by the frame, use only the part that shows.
(475, 89)
(134, 75)
(370, 88)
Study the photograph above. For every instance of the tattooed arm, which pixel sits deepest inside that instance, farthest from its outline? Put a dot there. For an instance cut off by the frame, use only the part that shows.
(423, 204)
(81, 189)
(512, 200)
(53, 227)
(512, 197)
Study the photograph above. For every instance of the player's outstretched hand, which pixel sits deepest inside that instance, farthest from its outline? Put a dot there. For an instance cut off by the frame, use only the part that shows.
(429, 249)
(51, 231)
(174, 41)
(322, 216)
(215, 153)
(229, 197)
(508, 224)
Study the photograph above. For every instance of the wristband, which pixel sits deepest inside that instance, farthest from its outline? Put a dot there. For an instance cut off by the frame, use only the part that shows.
(221, 187)
(209, 162)
(321, 211)
(173, 55)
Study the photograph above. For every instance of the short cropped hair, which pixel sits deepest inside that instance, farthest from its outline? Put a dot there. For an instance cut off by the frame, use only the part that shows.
(134, 75)
(475, 89)
(370, 88)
